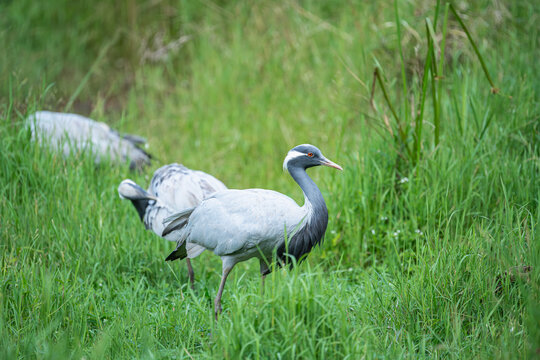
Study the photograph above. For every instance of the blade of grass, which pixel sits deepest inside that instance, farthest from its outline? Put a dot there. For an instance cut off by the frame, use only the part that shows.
(10, 99)
(403, 75)
(402, 136)
(98, 60)
(458, 114)
(420, 117)
(494, 89)
(434, 76)
(440, 75)
(443, 42)
(488, 116)
(436, 18)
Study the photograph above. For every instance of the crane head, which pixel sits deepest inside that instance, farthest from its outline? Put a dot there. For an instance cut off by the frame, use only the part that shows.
(305, 156)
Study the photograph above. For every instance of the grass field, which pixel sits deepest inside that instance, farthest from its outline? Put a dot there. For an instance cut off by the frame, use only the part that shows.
(431, 223)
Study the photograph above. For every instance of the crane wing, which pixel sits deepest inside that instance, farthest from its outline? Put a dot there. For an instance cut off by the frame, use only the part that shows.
(243, 219)
(180, 188)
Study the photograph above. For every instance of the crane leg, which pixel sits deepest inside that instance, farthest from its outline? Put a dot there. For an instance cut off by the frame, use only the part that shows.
(264, 271)
(191, 274)
(217, 301)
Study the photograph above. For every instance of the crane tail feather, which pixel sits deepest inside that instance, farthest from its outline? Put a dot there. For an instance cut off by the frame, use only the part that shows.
(176, 221)
(179, 253)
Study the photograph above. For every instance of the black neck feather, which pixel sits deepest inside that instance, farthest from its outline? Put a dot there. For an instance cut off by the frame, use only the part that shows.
(141, 205)
(313, 227)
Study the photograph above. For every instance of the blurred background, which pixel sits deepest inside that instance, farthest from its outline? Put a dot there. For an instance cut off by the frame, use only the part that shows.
(218, 75)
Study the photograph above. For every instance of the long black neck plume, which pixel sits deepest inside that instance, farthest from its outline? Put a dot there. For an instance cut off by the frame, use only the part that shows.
(141, 205)
(313, 227)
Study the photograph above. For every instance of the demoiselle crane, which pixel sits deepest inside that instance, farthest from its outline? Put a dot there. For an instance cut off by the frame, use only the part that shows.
(173, 188)
(241, 224)
(69, 133)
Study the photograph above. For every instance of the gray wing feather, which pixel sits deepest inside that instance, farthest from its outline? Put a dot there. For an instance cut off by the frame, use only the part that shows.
(135, 139)
(181, 188)
(194, 250)
(176, 221)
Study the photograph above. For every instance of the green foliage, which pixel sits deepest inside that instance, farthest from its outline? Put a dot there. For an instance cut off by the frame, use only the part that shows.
(407, 131)
(416, 263)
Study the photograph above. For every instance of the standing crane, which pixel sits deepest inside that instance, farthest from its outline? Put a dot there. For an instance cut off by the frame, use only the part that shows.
(241, 224)
(173, 188)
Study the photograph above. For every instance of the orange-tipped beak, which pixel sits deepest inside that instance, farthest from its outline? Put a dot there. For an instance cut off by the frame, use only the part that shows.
(327, 162)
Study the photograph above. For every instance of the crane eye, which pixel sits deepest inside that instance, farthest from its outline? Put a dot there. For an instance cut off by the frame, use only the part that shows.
(310, 154)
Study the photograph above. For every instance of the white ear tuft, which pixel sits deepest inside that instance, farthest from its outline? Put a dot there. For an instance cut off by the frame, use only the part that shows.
(293, 154)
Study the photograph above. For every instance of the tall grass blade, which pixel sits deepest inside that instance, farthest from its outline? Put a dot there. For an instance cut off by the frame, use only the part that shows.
(443, 43)
(434, 78)
(419, 119)
(402, 59)
(401, 133)
(494, 89)
(93, 68)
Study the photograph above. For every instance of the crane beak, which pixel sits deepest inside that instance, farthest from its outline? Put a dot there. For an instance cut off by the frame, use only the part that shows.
(327, 162)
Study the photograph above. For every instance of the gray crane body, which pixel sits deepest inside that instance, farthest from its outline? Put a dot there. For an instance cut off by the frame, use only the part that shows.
(222, 225)
(72, 133)
(173, 188)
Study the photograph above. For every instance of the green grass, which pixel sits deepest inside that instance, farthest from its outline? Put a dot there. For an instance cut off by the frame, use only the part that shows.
(413, 254)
